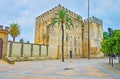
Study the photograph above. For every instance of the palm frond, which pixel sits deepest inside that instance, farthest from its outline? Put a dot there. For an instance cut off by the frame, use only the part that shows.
(61, 17)
(69, 21)
(67, 26)
(14, 30)
(53, 22)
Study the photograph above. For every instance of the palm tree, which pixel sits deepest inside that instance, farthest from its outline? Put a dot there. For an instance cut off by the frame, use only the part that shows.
(14, 30)
(61, 17)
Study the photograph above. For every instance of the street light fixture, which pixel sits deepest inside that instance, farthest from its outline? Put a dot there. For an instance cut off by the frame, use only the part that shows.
(88, 30)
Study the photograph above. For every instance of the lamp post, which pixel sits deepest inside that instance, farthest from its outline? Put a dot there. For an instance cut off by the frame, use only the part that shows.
(88, 31)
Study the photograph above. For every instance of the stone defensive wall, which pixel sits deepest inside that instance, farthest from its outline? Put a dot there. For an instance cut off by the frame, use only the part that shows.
(25, 51)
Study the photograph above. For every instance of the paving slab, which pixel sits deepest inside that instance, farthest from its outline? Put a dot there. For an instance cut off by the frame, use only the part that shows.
(55, 69)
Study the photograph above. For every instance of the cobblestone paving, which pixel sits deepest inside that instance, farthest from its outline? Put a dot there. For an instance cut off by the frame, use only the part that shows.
(55, 69)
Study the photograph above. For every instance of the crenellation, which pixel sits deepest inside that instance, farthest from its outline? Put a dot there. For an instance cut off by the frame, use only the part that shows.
(43, 15)
(7, 28)
(47, 13)
(97, 20)
(66, 9)
(53, 9)
(90, 20)
(62, 7)
(85, 21)
(59, 5)
(1, 27)
(4, 29)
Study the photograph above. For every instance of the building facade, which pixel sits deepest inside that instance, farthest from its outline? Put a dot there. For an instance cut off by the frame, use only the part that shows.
(3, 41)
(75, 39)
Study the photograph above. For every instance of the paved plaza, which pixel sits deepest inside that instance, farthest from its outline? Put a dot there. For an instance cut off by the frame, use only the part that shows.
(55, 69)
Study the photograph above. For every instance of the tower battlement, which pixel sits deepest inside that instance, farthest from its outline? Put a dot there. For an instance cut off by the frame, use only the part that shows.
(2, 28)
(93, 19)
(55, 9)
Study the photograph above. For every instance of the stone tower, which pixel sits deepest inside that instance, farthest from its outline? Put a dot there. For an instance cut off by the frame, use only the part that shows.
(75, 39)
(52, 37)
(3, 41)
(96, 36)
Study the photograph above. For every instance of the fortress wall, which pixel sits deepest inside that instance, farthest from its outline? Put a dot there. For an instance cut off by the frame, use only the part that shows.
(26, 51)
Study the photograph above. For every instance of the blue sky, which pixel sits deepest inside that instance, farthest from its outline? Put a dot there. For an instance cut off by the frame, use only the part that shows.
(24, 12)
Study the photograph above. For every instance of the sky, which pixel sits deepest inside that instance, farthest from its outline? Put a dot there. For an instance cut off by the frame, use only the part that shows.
(24, 13)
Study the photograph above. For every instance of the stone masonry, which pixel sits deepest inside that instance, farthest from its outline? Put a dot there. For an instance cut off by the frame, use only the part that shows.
(75, 38)
(4, 38)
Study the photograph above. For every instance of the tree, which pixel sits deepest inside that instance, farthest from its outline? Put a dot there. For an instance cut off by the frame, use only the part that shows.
(111, 45)
(21, 41)
(61, 17)
(105, 35)
(28, 41)
(14, 30)
(116, 36)
(107, 46)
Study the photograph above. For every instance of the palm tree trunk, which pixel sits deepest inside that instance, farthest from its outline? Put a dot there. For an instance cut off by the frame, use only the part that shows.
(62, 42)
(13, 39)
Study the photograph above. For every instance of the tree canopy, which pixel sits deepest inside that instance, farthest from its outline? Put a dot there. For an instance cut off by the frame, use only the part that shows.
(111, 42)
(14, 30)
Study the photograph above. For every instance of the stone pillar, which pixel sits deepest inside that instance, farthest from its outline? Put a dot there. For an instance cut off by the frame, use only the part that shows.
(31, 50)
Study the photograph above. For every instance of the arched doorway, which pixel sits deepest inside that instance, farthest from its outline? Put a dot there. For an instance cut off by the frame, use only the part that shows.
(1, 46)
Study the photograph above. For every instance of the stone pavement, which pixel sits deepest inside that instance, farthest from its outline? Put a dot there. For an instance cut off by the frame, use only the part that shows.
(3, 62)
(55, 69)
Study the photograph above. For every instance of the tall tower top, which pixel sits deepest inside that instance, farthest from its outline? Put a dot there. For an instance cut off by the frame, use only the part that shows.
(59, 5)
(56, 8)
